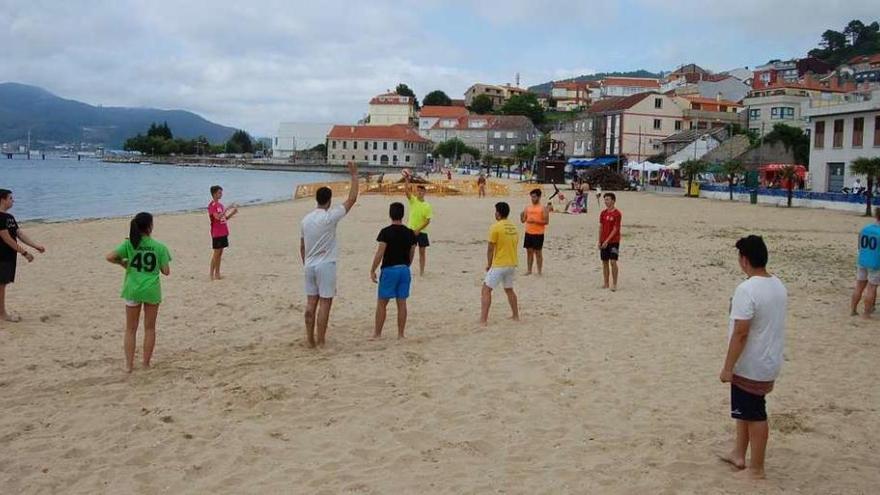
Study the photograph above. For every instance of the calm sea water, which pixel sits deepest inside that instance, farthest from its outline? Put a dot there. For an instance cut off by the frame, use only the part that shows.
(65, 189)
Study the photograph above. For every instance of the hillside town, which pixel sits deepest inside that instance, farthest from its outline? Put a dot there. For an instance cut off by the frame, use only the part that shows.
(689, 113)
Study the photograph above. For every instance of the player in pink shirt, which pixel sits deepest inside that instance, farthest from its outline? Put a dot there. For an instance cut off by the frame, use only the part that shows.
(219, 228)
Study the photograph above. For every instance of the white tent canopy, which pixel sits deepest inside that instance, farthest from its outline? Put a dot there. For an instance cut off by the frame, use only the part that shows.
(646, 166)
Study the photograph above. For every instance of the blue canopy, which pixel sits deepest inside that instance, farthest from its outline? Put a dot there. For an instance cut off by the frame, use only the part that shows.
(595, 162)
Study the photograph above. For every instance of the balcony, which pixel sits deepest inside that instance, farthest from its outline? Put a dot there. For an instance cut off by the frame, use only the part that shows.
(716, 117)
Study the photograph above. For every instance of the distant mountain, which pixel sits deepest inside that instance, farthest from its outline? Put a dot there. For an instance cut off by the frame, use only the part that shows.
(545, 88)
(53, 120)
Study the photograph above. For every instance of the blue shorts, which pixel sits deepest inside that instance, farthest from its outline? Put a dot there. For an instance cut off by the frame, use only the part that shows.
(394, 282)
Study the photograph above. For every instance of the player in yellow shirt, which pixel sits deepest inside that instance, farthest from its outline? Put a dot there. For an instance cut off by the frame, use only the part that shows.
(501, 262)
(420, 214)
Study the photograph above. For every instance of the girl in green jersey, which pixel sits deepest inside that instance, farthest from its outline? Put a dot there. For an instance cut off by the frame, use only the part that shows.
(143, 259)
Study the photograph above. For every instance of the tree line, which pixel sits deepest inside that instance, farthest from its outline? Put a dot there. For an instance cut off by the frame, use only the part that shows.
(159, 140)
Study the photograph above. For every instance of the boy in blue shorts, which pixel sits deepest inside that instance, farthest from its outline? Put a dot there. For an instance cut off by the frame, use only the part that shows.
(868, 267)
(397, 246)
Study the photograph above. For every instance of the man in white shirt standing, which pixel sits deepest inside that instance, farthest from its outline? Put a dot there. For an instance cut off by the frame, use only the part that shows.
(318, 250)
(756, 338)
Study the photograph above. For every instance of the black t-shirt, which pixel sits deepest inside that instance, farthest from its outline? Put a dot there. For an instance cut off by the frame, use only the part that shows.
(7, 222)
(399, 239)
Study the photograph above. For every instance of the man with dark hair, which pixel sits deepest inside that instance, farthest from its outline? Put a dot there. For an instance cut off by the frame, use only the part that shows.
(536, 217)
(501, 262)
(397, 246)
(609, 240)
(10, 248)
(219, 228)
(756, 339)
(420, 214)
(867, 267)
(318, 250)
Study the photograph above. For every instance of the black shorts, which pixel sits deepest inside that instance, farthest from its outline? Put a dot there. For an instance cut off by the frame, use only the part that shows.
(422, 239)
(7, 271)
(533, 241)
(221, 242)
(747, 406)
(610, 252)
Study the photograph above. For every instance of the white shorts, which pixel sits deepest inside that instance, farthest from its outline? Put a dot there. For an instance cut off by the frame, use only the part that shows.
(321, 280)
(871, 276)
(501, 275)
(132, 304)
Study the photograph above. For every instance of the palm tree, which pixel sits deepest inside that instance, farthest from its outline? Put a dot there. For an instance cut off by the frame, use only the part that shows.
(790, 176)
(731, 169)
(691, 169)
(869, 167)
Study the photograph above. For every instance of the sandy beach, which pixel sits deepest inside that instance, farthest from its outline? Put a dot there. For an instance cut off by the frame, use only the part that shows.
(592, 392)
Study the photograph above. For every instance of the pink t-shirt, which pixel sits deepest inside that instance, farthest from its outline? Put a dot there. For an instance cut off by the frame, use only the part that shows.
(219, 228)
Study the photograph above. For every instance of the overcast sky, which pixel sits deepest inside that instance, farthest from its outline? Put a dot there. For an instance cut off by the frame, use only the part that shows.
(257, 63)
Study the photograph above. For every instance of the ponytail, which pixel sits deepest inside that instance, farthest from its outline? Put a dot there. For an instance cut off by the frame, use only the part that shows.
(141, 225)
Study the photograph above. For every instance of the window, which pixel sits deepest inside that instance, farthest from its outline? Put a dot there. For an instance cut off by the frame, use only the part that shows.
(657, 123)
(355, 146)
(384, 145)
(345, 145)
(819, 140)
(276, 141)
(754, 130)
(394, 158)
(677, 125)
(501, 147)
(353, 158)
(754, 113)
(512, 147)
(858, 131)
(497, 134)
(877, 131)
(395, 145)
(374, 158)
(658, 102)
(837, 138)
(510, 135)
(366, 158)
(406, 158)
(491, 147)
(333, 145)
(332, 157)
(375, 143)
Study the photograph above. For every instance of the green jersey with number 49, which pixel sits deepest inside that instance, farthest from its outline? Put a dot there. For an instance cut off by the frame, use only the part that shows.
(142, 274)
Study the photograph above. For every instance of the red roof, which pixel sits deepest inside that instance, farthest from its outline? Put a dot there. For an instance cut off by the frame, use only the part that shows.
(632, 82)
(618, 103)
(572, 85)
(443, 111)
(398, 132)
(866, 59)
(711, 101)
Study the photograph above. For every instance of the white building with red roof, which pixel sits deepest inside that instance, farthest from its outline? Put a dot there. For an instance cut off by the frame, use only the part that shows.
(392, 109)
(627, 86)
(398, 145)
(429, 115)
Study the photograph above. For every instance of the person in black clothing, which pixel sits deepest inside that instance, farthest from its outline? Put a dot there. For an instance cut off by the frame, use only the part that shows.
(10, 248)
(397, 246)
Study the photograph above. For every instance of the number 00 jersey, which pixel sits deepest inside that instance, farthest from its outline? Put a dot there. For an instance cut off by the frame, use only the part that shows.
(869, 247)
(142, 274)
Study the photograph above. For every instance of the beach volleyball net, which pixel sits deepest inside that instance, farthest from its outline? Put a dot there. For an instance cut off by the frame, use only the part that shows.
(453, 187)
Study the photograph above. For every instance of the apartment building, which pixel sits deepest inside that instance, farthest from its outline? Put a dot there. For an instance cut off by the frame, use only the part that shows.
(635, 126)
(387, 145)
(497, 135)
(842, 131)
(577, 134)
(626, 86)
(498, 94)
(392, 109)
(572, 95)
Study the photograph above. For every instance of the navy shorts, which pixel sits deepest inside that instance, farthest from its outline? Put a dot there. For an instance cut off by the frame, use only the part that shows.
(394, 282)
(747, 406)
(422, 239)
(610, 252)
(221, 242)
(7, 272)
(533, 241)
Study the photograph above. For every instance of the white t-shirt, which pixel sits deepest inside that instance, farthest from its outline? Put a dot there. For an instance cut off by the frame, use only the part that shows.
(762, 300)
(319, 233)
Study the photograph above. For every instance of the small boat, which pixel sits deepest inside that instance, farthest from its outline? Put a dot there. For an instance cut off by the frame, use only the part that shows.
(146, 163)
